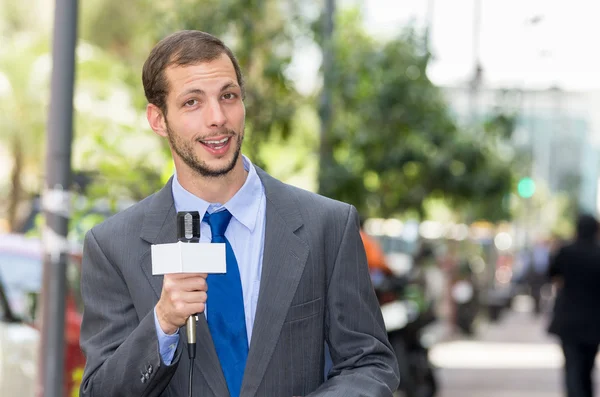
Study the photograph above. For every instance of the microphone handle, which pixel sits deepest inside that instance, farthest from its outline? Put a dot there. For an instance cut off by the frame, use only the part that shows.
(191, 335)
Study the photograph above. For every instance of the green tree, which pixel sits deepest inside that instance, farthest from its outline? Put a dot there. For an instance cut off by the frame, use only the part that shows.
(23, 100)
(24, 62)
(113, 141)
(394, 142)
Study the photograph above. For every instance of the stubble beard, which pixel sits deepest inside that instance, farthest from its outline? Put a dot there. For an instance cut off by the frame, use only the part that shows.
(185, 151)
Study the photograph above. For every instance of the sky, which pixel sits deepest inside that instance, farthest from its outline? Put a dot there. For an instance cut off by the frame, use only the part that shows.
(557, 50)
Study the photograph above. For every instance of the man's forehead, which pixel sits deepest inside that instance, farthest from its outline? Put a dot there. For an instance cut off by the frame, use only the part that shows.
(222, 61)
(208, 72)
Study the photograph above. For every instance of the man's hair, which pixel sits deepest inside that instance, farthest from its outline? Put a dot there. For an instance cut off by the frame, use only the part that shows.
(186, 47)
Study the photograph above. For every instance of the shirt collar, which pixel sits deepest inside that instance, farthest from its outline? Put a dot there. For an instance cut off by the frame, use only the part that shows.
(244, 205)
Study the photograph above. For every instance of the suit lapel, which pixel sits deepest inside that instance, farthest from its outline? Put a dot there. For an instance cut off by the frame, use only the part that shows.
(285, 256)
(160, 227)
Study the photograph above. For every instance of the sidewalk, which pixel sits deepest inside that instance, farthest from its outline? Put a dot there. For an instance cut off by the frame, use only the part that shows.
(512, 358)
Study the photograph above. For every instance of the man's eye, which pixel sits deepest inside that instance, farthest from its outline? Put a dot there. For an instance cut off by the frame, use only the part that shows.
(191, 102)
(229, 95)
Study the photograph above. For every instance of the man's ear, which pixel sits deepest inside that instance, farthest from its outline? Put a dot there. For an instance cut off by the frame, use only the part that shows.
(156, 119)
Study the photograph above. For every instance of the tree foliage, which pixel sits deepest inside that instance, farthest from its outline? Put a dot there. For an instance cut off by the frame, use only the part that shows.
(394, 141)
(23, 100)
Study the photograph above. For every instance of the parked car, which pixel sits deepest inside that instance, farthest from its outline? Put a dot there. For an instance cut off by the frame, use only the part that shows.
(21, 271)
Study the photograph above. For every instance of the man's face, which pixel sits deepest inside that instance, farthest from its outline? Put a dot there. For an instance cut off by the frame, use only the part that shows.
(205, 116)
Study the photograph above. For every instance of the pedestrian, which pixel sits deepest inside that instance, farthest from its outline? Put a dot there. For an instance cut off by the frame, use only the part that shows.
(576, 319)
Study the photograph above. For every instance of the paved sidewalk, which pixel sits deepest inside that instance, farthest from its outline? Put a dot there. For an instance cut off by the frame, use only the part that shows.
(512, 358)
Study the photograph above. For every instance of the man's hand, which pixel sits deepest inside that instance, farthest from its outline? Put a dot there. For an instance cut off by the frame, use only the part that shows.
(182, 295)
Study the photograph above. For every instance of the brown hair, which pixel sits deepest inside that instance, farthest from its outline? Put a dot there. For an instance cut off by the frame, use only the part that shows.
(187, 47)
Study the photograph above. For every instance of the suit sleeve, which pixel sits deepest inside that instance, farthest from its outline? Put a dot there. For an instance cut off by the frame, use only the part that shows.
(122, 352)
(363, 361)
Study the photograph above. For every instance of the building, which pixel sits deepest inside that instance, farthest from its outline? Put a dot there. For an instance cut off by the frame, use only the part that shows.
(558, 130)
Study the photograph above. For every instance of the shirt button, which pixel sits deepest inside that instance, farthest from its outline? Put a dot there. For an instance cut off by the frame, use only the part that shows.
(143, 379)
(150, 368)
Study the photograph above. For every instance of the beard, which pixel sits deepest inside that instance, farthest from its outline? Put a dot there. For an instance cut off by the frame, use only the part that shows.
(185, 151)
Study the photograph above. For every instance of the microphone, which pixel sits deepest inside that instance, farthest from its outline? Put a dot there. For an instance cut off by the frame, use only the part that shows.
(188, 231)
(182, 257)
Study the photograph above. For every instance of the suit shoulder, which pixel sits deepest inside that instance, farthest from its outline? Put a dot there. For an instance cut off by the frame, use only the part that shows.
(315, 200)
(303, 198)
(316, 209)
(124, 220)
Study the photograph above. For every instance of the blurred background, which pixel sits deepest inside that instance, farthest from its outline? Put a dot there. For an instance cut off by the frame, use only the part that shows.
(464, 132)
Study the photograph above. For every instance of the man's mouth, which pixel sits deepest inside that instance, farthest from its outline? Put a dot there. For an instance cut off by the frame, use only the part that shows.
(216, 144)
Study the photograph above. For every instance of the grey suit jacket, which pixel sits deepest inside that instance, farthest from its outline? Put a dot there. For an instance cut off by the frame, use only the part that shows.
(315, 287)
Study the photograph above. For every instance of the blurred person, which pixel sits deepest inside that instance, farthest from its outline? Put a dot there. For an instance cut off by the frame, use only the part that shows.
(296, 279)
(537, 272)
(426, 262)
(449, 264)
(576, 317)
(465, 297)
(376, 260)
(430, 279)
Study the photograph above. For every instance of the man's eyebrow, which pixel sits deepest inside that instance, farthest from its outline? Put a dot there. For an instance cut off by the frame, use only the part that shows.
(196, 91)
(229, 85)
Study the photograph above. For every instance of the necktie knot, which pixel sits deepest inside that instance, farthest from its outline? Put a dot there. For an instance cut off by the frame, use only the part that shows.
(218, 222)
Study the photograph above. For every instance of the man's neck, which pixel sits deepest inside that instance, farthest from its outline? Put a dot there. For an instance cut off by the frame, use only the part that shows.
(213, 189)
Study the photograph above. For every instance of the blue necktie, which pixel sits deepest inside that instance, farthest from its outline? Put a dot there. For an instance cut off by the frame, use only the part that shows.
(225, 309)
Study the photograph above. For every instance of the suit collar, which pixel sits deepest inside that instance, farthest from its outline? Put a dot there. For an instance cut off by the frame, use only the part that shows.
(244, 205)
(281, 200)
(160, 218)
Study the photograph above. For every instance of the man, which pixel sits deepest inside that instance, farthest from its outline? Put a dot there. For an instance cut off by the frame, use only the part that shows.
(296, 271)
(576, 321)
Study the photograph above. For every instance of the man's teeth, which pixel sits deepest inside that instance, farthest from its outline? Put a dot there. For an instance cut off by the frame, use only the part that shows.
(224, 140)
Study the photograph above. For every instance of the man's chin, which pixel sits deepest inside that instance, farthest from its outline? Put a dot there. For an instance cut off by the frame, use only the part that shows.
(214, 173)
(215, 170)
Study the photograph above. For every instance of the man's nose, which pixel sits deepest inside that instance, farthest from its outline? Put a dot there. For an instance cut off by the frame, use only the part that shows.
(216, 115)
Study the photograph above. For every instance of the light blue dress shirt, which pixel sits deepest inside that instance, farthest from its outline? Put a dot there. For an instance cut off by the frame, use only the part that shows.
(246, 233)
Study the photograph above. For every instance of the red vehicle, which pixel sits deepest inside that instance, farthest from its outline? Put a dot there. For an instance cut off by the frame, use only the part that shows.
(21, 270)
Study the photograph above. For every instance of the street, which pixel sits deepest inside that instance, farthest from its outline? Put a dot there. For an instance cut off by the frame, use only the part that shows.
(512, 358)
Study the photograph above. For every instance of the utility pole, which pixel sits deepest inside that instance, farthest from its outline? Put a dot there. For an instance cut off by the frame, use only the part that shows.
(56, 199)
(326, 106)
(429, 23)
(478, 68)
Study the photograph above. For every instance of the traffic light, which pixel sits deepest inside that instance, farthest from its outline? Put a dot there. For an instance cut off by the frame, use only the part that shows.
(526, 187)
